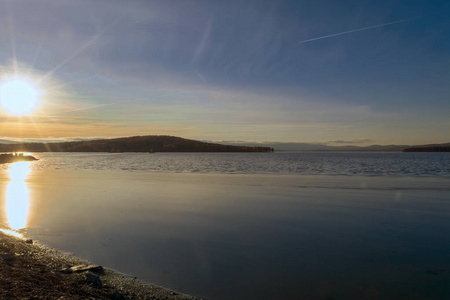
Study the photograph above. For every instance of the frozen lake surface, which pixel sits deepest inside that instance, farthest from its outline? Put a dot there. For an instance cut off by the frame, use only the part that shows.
(246, 226)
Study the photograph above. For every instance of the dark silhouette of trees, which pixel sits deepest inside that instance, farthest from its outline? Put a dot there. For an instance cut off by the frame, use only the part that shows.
(159, 143)
(428, 149)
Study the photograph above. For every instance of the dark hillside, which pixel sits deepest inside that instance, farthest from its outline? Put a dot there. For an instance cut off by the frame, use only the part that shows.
(151, 143)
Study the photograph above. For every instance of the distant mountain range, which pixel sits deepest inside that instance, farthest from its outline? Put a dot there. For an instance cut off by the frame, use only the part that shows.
(150, 143)
(157, 143)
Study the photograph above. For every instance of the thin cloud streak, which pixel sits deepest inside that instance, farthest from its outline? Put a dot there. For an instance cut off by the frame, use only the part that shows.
(356, 30)
(89, 107)
(95, 106)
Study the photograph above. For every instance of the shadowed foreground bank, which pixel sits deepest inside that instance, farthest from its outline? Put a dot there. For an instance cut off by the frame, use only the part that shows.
(29, 271)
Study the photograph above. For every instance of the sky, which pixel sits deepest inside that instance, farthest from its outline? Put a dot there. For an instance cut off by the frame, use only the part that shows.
(323, 71)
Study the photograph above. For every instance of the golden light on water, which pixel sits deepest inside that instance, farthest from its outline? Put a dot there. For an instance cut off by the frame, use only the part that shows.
(18, 195)
(19, 96)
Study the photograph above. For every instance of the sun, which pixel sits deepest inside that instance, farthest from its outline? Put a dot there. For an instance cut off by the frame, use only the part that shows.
(19, 96)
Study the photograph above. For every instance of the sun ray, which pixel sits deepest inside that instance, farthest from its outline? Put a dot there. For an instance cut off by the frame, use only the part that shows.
(36, 55)
(38, 130)
(90, 42)
(11, 34)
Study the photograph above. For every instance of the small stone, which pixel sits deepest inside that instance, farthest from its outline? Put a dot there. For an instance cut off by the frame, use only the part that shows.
(29, 241)
(17, 263)
(6, 256)
(118, 296)
(93, 280)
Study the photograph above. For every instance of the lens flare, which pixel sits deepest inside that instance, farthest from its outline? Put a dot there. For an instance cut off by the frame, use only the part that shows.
(19, 96)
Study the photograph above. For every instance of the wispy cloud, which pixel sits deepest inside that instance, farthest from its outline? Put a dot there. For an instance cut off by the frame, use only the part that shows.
(89, 107)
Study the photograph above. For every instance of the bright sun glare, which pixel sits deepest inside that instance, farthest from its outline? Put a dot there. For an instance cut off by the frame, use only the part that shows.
(18, 96)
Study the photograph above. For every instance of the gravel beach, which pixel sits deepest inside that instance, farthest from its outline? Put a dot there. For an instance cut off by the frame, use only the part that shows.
(31, 271)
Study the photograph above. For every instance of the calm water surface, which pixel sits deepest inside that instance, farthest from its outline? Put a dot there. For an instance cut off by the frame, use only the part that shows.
(246, 226)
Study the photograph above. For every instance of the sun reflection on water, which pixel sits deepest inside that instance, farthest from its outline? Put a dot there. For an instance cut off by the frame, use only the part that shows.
(18, 195)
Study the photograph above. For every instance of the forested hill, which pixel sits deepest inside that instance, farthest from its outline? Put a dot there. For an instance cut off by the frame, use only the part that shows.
(429, 148)
(151, 143)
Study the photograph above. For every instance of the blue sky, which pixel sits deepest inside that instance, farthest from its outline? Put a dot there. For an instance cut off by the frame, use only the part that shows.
(231, 70)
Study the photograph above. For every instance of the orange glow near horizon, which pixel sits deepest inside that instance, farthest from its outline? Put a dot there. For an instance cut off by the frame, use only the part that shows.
(18, 195)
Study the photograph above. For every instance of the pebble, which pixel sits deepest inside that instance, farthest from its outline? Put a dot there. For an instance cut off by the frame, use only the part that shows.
(119, 296)
(6, 256)
(93, 280)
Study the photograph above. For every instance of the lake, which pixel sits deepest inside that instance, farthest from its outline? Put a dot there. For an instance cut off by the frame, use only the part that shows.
(245, 225)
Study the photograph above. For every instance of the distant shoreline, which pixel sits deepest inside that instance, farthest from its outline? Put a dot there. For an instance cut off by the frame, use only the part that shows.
(164, 143)
(149, 144)
(428, 149)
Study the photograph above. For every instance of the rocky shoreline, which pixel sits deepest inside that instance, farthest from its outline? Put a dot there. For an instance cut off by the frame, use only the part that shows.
(6, 158)
(31, 271)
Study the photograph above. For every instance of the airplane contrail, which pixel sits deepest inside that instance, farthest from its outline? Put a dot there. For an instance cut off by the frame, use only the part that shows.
(355, 30)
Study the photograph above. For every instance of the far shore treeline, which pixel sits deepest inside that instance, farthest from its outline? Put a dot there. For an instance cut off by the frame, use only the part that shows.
(150, 143)
(428, 149)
